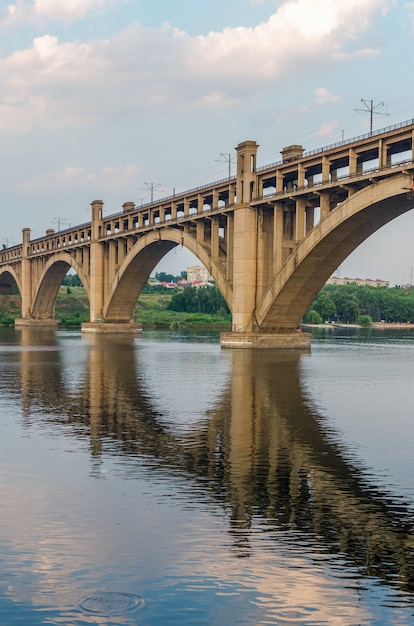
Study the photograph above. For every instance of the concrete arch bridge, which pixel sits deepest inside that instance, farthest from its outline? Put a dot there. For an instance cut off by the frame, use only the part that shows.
(270, 236)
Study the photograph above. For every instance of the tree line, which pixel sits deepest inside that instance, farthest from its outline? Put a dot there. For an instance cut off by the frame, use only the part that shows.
(199, 300)
(349, 303)
(334, 303)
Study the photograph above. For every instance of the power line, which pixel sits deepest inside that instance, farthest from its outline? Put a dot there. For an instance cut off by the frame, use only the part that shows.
(371, 109)
(226, 158)
(152, 187)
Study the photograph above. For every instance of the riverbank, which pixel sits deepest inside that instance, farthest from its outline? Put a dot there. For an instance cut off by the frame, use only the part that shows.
(376, 325)
(151, 312)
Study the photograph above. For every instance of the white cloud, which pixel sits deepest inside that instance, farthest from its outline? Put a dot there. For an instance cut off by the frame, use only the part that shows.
(66, 11)
(108, 179)
(323, 96)
(165, 69)
(69, 10)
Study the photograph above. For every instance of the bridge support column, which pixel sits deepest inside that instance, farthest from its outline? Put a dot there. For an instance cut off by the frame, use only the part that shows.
(97, 264)
(26, 280)
(244, 268)
(286, 341)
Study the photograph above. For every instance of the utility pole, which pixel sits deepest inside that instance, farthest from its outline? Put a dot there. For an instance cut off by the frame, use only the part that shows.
(151, 187)
(226, 158)
(371, 109)
(58, 221)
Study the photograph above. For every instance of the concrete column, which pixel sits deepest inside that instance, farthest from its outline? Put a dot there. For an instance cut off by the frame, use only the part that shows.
(301, 175)
(246, 171)
(325, 169)
(277, 237)
(26, 280)
(279, 181)
(230, 247)
(299, 220)
(173, 210)
(214, 205)
(200, 231)
(325, 205)
(352, 162)
(97, 264)
(215, 240)
(245, 239)
(121, 251)
(382, 153)
(244, 268)
(200, 203)
(309, 219)
(264, 268)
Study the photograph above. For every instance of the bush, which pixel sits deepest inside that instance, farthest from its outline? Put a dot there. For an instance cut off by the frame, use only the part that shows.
(364, 320)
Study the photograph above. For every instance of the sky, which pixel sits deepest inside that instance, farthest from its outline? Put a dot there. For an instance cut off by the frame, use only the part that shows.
(104, 99)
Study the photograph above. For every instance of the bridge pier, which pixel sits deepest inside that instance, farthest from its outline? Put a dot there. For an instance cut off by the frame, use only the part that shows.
(241, 340)
(25, 322)
(100, 328)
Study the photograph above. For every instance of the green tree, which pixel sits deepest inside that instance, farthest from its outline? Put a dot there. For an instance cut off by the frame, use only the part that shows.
(364, 320)
(313, 317)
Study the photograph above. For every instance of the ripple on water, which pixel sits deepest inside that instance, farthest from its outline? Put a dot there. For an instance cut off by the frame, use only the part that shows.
(106, 603)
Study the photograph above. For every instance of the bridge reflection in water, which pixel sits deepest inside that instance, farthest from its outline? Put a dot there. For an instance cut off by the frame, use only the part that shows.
(260, 451)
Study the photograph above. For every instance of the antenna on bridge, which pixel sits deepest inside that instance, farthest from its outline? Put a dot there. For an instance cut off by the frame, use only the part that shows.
(59, 221)
(371, 109)
(152, 187)
(226, 158)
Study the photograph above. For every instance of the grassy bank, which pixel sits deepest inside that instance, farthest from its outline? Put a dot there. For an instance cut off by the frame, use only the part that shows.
(72, 308)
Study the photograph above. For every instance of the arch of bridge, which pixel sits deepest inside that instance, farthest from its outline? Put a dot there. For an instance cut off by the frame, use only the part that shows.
(141, 260)
(7, 276)
(50, 280)
(326, 247)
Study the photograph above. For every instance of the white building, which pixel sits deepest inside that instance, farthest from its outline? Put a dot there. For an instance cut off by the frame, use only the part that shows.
(198, 274)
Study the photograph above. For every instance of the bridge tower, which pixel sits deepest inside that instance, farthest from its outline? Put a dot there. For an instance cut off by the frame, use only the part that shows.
(245, 240)
(257, 249)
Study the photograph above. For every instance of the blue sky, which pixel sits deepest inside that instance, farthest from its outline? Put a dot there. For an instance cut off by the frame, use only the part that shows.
(98, 98)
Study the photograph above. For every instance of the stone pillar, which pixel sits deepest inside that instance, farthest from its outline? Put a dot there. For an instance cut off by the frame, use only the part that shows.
(301, 176)
(309, 219)
(97, 264)
(26, 280)
(299, 220)
(325, 205)
(215, 241)
(325, 169)
(214, 203)
(245, 240)
(244, 268)
(352, 158)
(246, 171)
(278, 237)
(200, 231)
(382, 154)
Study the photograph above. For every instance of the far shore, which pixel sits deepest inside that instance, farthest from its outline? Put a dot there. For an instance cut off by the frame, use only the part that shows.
(380, 325)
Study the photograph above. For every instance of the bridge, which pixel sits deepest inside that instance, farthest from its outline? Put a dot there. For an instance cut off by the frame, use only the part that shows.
(270, 237)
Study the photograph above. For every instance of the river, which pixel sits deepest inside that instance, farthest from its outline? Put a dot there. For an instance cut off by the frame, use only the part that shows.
(162, 480)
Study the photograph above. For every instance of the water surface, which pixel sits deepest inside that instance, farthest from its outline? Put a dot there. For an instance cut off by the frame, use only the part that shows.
(160, 479)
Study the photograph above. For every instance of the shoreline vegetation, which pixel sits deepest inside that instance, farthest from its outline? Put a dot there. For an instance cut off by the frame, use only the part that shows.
(151, 311)
(335, 306)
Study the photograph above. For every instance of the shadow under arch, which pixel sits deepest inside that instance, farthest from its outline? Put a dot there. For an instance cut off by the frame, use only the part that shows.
(141, 260)
(263, 452)
(49, 282)
(7, 277)
(328, 244)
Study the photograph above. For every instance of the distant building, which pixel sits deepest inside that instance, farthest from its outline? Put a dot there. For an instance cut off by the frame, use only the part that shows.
(198, 276)
(365, 282)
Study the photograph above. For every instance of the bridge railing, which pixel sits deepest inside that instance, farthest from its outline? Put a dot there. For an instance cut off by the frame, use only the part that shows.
(342, 177)
(339, 144)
